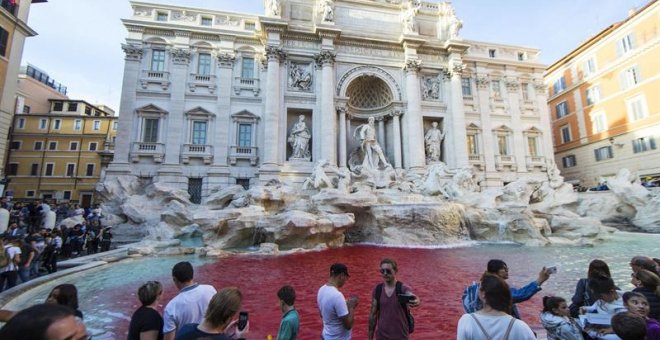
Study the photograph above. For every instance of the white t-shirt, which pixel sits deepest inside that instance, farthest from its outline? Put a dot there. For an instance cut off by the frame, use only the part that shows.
(333, 308)
(11, 251)
(496, 326)
(189, 306)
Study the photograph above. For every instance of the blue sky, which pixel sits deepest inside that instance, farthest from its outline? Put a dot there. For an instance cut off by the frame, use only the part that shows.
(79, 40)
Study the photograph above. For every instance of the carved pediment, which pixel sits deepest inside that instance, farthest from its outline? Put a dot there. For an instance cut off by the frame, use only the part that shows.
(245, 115)
(151, 109)
(200, 111)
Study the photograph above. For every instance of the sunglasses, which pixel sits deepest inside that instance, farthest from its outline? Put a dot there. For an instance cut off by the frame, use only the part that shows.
(385, 271)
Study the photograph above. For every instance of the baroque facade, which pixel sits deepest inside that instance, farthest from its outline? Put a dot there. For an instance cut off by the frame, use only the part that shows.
(216, 98)
(604, 101)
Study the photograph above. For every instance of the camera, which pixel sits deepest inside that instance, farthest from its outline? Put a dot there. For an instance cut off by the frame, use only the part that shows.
(242, 320)
(405, 298)
(552, 270)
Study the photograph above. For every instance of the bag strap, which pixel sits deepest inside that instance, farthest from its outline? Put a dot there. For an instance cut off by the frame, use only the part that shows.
(488, 337)
(379, 291)
(508, 330)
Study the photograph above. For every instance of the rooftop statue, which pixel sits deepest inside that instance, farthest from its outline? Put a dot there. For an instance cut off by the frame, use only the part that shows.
(273, 8)
(327, 10)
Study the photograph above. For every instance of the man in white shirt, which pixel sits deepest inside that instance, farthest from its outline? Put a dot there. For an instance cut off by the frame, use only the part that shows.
(9, 273)
(189, 305)
(336, 312)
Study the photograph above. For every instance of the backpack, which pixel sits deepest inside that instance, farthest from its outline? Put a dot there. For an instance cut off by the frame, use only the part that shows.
(5, 259)
(471, 302)
(398, 290)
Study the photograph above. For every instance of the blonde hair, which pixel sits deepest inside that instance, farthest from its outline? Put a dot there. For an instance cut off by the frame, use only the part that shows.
(223, 306)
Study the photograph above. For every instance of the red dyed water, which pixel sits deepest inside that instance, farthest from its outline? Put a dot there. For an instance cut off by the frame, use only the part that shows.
(437, 276)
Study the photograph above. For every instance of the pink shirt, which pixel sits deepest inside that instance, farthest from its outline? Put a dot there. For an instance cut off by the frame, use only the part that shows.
(392, 323)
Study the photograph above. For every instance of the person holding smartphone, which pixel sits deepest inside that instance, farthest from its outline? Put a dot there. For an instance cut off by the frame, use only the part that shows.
(218, 324)
(389, 315)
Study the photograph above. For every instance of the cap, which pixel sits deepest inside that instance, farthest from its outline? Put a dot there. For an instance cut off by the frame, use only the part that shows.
(338, 268)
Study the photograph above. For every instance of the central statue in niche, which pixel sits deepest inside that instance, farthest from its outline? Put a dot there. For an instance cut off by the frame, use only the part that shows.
(370, 152)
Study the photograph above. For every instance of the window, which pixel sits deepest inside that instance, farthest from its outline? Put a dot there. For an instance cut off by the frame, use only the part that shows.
(21, 123)
(66, 195)
(522, 56)
(73, 146)
(204, 64)
(206, 21)
(491, 53)
(473, 148)
(73, 107)
(90, 170)
(58, 106)
(568, 161)
(43, 124)
(589, 67)
(247, 68)
(637, 108)
(532, 146)
(52, 146)
(12, 169)
(92, 146)
(158, 60)
(603, 153)
(245, 135)
(57, 124)
(565, 134)
(598, 122)
(4, 38)
(559, 85)
(38, 145)
(502, 144)
(150, 132)
(88, 110)
(526, 87)
(199, 132)
(26, 109)
(496, 88)
(250, 26)
(34, 169)
(630, 77)
(161, 16)
(70, 170)
(593, 95)
(29, 193)
(15, 145)
(77, 124)
(97, 125)
(625, 44)
(49, 169)
(643, 144)
(562, 109)
(466, 86)
(114, 125)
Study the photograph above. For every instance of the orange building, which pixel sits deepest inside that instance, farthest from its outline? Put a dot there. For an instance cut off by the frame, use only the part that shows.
(604, 101)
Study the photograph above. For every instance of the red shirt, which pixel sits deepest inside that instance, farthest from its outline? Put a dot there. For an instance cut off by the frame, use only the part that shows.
(392, 322)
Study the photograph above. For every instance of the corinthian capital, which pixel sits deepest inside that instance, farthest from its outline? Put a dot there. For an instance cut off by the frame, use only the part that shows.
(511, 84)
(482, 81)
(133, 52)
(226, 59)
(325, 57)
(275, 54)
(413, 65)
(457, 69)
(180, 55)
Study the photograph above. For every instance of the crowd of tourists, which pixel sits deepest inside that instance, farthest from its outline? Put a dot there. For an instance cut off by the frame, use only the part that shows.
(33, 241)
(597, 310)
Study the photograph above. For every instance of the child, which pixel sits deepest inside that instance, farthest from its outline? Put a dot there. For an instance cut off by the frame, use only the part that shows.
(637, 304)
(609, 303)
(557, 321)
(629, 326)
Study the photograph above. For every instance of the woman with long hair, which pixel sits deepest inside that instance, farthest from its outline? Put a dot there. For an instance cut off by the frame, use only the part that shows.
(557, 321)
(217, 324)
(65, 295)
(583, 295)
(494, 320)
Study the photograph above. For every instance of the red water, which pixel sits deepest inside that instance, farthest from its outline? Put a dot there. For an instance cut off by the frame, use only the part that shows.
(436, 276)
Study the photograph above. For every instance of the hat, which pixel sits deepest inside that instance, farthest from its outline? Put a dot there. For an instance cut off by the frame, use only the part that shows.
(338, 268)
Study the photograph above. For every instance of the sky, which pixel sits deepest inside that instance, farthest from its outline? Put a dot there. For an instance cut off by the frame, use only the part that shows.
(79, 41)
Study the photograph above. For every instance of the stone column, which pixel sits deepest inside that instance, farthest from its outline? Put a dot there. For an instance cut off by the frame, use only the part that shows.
(328, 116)
(546, 125)
(342, 137)
(519, 142)
(458, 132)
(396, 127)
(221, 142)
(381, 132)
(125, 130)
(413, 118)
(272, 106)
(175, 135)
(489, 144)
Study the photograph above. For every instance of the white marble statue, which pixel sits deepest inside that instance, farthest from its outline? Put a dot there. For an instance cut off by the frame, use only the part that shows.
(372, 152)
(409, 17)
(327, 10)
(299, 140)
(273, 8)
(318, 179)
(454, 24)
(433, 140)
(300, 77)
(449, 22)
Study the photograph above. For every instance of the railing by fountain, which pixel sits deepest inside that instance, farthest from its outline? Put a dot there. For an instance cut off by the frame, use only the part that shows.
(243, 152)
(203, 151)
(251, 84)
(142, 149)
(502, 161)
(160, 78)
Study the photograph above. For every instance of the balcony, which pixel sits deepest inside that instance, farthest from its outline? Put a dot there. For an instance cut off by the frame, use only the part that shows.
(202, 81)
(154, 150)
(477, 161)
(243, 152)
(160, 79)
(203, 151)
(505, 161)
(536, 162)
(246, 84)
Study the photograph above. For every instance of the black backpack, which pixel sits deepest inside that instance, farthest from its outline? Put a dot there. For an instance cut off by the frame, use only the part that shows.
(398, 290)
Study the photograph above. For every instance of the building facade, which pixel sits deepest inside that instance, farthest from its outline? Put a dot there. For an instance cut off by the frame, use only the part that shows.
(604, 101)
(60, 153)
(216, 98)
(13, 31)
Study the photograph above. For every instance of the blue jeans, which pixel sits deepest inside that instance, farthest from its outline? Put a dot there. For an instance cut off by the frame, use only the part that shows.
(24, 274)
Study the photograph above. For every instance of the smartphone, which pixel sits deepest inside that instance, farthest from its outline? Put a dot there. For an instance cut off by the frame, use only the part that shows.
(242, 320)
(405, 298)
(552, 270)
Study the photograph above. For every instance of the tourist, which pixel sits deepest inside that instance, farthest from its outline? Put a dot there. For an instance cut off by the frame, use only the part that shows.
(146, 322)
(191, 302)
(648, 284)
(65, 295)
(290, 320)
(106, 238)
(9, 258)
(610, 302)
(637, 303)
(217, 322)
(493, 320)
(14, 231)
(583, 295)
(52, 251)
(388, 311)
(557, 320)
(629, 326)
(336, 312)
(28, 254)
(45, 321)
(643, 262)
